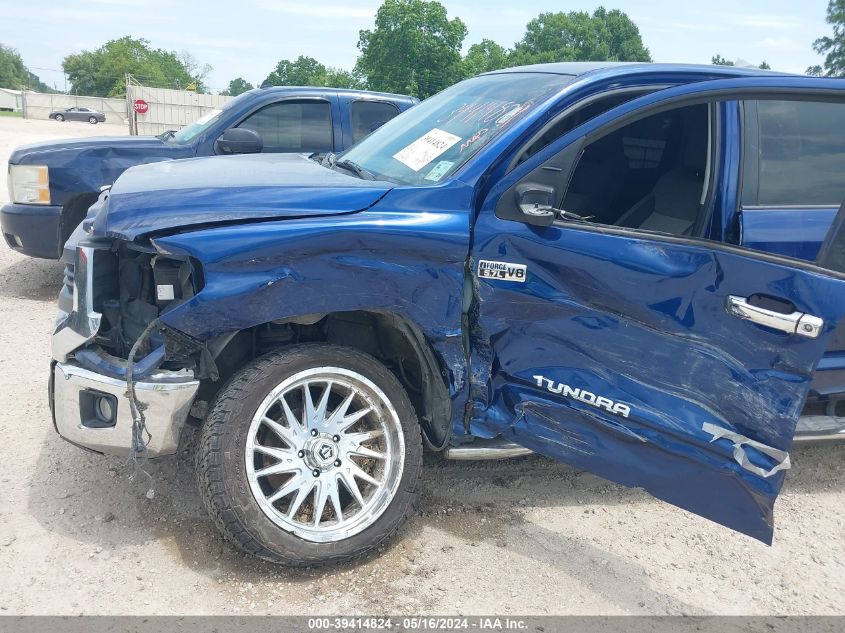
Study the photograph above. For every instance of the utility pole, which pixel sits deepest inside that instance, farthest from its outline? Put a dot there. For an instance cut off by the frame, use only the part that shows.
(130, 111)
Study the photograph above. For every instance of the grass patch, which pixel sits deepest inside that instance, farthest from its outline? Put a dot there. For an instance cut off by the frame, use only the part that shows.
(7, 113)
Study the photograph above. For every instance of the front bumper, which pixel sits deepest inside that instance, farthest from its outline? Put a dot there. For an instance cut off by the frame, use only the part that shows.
(167, 395)
(32, 229)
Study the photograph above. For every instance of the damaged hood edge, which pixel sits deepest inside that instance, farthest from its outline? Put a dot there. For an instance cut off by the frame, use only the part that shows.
(162, 197)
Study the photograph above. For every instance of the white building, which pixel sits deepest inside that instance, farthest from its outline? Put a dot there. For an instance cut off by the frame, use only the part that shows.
(10, 99)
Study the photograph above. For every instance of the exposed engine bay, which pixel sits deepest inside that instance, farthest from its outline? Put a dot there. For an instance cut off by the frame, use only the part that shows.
(132, 285)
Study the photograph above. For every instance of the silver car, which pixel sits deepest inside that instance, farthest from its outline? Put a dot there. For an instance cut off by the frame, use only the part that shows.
(79, 114)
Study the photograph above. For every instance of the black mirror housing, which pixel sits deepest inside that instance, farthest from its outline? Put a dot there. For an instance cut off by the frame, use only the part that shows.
(543, 186)
(239, 140)
(536, 204)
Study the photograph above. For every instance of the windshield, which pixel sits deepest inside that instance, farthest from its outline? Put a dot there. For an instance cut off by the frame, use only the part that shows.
(188, 133)
(430, 141)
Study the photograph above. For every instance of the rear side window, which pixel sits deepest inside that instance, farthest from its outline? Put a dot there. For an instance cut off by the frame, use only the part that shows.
(293, 126)
(801, 153)
(368, 116)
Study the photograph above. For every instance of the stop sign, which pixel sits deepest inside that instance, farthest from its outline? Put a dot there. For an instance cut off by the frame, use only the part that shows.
(141, 106)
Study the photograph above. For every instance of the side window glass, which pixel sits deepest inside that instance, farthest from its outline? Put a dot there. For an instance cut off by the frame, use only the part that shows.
(576, 118)
(801, 153)
(649, 174)
(293, 126)
(368, 116)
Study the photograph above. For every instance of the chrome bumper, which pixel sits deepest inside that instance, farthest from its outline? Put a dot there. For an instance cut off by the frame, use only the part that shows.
(167, 396)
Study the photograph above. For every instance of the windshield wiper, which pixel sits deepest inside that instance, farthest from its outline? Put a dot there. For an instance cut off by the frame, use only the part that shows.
(330, 160)
(167, 134)
(355, 168)
(320, 157)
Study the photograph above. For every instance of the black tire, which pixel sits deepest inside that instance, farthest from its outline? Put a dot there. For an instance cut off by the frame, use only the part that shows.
(220, 465)
(59, 118)
(92, 120)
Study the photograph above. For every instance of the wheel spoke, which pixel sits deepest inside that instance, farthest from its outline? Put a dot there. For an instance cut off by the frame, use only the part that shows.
(338, 414)
(320, 500)
(287, 434)
(297, 502)
(278, 468)
(281, 454)
(334, 495)
(320, 413)
(316, 415)
(293, 421)
(360, 473)
(364, 436)
(351, 419)
(365, 451)
(352, 486)
(308, 415)
(293, 484)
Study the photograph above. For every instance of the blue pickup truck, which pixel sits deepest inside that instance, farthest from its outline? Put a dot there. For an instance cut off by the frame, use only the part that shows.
(636, 269)
(52, 184)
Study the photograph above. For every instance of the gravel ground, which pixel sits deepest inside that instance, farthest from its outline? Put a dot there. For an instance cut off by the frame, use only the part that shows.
(79, 536)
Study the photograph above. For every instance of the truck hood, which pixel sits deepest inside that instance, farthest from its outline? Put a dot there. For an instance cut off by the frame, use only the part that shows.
(51, 153)
(171, 195)
(84, 165)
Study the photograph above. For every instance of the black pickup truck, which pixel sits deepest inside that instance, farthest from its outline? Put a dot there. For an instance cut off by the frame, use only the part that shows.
(51, 185)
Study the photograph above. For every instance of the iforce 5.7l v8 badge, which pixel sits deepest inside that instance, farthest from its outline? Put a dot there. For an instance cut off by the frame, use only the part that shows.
(501, 270)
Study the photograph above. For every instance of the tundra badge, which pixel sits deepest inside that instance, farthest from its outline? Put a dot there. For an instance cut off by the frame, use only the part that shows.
(583, 395)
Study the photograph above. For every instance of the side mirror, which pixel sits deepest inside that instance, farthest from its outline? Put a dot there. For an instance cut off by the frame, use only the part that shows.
(536, 204)
(239, 140)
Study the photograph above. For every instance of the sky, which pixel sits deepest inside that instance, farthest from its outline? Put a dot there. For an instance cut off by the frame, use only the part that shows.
(248, 37)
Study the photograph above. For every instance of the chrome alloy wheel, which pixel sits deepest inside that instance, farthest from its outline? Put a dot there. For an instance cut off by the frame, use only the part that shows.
(324, 454)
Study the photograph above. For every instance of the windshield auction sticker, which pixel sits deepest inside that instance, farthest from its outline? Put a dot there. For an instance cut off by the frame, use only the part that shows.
(426, 148)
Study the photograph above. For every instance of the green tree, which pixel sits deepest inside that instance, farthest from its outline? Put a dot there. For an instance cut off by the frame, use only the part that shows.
(339, 78)
(14, 75)
(579, 36)
(718, 60)
(307, 71)
(833, 48)
(101, 73)
(483, 57)
(237, 86)
(414, 48)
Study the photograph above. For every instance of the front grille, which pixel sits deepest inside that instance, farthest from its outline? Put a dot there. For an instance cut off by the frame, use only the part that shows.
(68, 280)
(66, 292)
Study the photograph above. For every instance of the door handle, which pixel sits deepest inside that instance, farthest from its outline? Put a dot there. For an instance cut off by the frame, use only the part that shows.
(799, 323)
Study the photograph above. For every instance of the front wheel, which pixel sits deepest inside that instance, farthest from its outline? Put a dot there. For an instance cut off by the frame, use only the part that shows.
(59, 118)
(92, 120)
(311, 455)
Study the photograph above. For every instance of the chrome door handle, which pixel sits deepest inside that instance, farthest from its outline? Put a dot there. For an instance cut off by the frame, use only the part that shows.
(798, 323)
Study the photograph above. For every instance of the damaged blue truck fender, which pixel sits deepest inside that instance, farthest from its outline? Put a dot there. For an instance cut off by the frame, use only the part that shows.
(585, 261)
(52, 184)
